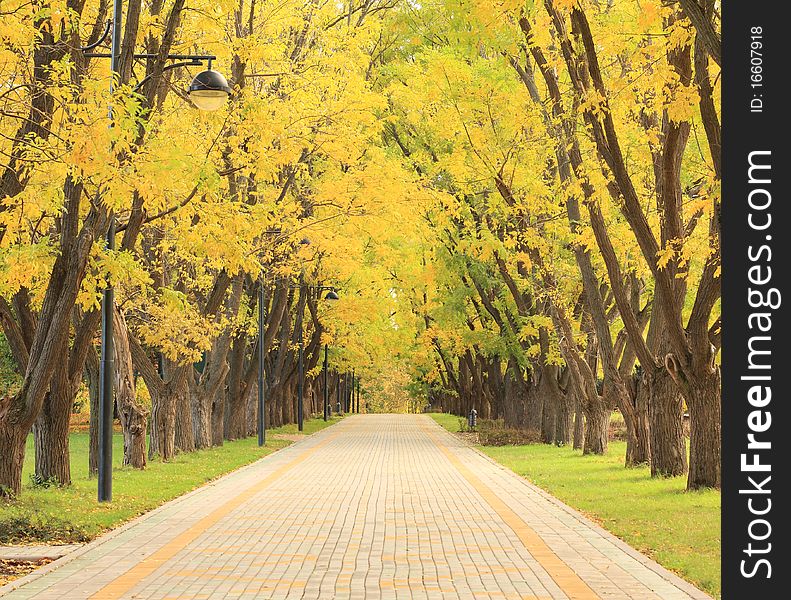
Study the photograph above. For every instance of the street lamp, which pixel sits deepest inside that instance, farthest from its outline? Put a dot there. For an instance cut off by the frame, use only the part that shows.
(338, 394)
(261, 425)
(351, 393)
(209, 90)
(211, 86)
(332, 296)
(326, 389)
(261, 321)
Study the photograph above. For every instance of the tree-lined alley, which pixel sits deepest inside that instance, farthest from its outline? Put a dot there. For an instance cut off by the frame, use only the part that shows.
(517, 202)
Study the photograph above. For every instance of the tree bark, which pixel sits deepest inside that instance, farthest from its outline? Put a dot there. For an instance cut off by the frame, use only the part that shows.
(563, 420)
(579, 424)
(218, 418)
(184, 433)
(550, 392)
(235, 403)
(51, 430)
(92, 377)
(597, 424)
(12, 449)
(705, 413)
(131, 413)
(534, 409)
(163, 424)
(515, 401)
(638, 449)
(665, 406)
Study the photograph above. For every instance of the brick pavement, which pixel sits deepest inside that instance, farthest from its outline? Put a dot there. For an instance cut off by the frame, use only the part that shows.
(388, 506)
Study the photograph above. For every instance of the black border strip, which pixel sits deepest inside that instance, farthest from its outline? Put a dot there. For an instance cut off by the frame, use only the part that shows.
(755, 553)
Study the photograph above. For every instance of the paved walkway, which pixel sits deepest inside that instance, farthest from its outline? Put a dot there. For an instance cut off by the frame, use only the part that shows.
(374, 507)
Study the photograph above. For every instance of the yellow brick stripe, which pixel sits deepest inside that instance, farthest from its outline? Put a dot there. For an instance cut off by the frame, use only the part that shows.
(567, 580)
(120, 586)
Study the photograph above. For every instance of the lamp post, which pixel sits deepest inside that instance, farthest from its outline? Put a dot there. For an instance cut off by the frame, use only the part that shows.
(208, 91)
(261, 421)
(338, 394)
(332, 296)
(261, 322)
(301, 384)
(346, 392)
(326, 389)
(343, 393)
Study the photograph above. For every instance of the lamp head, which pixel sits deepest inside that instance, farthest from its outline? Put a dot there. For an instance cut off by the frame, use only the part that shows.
(332, 296)
(209, 90)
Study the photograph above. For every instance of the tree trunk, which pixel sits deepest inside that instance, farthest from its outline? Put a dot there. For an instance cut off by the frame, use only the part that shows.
(705, 413)
(638, 445)
(163, 424)
(534, 409)
(92, 377)
(12, 449)
(597, 423)
(201, 418)
(205, 391)
(218, 418)
(236, 407)
(184, 435)
(235, 403)
(552, 395)
(563, 420)
(251, 411)
(132, 414)
(51, 430)
(548, 418)
(579, 423)
(665, 409)
(641, 451)
(514, 400)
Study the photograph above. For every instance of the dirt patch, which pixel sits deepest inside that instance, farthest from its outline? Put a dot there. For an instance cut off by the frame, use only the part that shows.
(496, 433)
(38, 528)
(469, 437)
(14, 569)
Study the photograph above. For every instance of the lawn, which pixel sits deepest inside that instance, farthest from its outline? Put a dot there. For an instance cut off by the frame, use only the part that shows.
(72, 514)
(678, 529)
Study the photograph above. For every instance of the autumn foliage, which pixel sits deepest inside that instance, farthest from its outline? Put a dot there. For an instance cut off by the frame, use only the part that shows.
(518, 204)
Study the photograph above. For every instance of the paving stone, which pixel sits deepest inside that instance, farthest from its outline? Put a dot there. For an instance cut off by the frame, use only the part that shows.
(377, 506)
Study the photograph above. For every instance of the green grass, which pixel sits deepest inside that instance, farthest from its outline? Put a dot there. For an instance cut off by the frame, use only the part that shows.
(72, 514)
(678, 529)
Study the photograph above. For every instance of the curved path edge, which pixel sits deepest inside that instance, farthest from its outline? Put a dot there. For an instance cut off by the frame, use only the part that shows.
(116, 531)
(646, 561)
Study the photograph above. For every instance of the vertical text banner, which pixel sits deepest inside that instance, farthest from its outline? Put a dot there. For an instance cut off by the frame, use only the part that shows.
(755, 361)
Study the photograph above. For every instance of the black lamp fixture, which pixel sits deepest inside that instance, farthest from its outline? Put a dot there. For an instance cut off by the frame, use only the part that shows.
(332, 295)
(209, 90)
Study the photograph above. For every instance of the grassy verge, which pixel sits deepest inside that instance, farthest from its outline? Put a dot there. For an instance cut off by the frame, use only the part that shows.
(678, 529)
(72, 514)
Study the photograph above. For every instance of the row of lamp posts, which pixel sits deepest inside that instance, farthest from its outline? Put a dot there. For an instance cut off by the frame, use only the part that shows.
(332, 296)
(208, 91)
